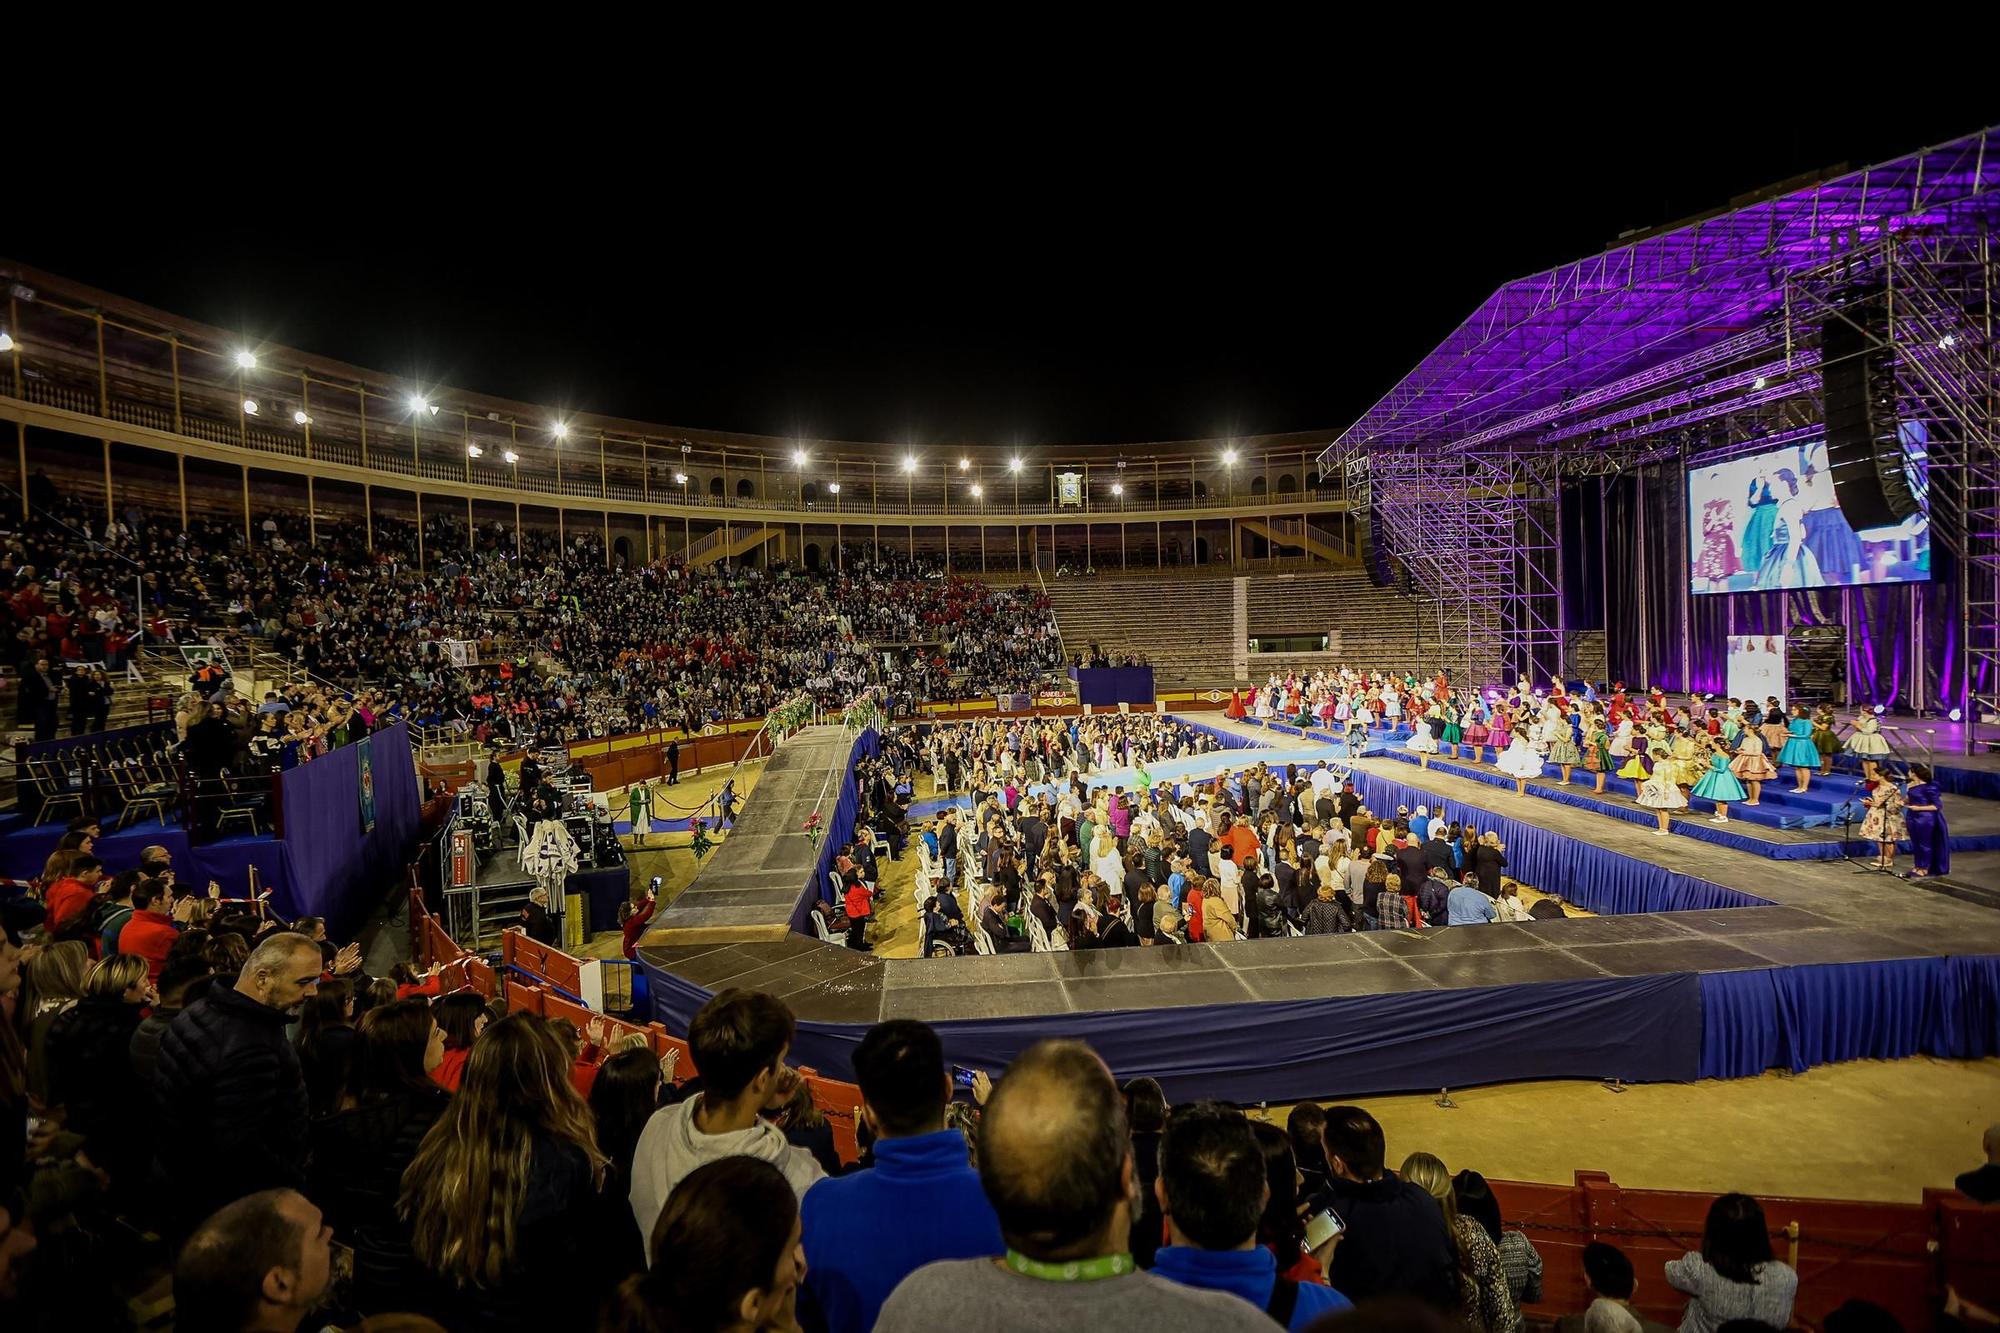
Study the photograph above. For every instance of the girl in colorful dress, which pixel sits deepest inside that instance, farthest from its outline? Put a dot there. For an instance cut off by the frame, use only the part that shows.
(1421, 741)
(1476, 730)
(1688, 763)
(1235, 710)
(1751, 765)
(1799, 752)
(1867, 742)
(1884, 825)
(1392, 709)
(1520, 762)
(1930, 840)
(1596, 750)
(1732, 721)
(1719, 784)
(1619, 748)
(1825, 739)
(1659, 793)
(1637, 766)
(1500, 732)
(1562, 743)
(1776, 733)
(1434, 723)
(1453, 731)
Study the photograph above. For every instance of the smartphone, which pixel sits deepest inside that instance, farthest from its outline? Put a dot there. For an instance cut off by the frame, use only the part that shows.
(962, 1076)
(1322, 1227)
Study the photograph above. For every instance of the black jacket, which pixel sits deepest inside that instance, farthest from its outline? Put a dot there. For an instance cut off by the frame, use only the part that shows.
(1411, 865)
(1488, 862)
(357, 1173)
(232, 1103)
(1396, 1244)
(90, 1073)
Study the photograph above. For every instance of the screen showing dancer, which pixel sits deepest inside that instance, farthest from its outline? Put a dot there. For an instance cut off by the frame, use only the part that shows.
(1771, 520)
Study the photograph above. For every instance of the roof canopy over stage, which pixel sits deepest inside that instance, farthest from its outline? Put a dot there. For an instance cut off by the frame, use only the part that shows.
(1685, 318)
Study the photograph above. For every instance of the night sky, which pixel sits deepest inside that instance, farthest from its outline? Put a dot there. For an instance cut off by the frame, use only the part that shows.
(1156, 275)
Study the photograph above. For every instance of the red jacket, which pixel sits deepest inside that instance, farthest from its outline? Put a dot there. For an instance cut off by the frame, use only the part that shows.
(451, 1070)
(857, 902)
(635, 926)
(149, 934)
(67, 897)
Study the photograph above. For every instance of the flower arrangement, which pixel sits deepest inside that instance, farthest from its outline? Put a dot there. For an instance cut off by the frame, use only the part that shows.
(812, 828)
(702, 843)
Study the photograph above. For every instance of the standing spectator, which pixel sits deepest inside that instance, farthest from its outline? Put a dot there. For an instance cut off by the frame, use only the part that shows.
(1306, 1127)
(1607, 1274)
(71, 898)
(857, 1237)
(1396, 1242)
(184, 977)
(463, 1016)
(622, 1099)
(232, 1098)
(1282, 1229)
(1489, 858)
(361, 1150)
(90, 1067)
(1056, 1163)
(151, 932)
(1485, 1303)
(738, 1040)
(727, 1254)
(35, 701)
(261, 1262)
(326, 1042)
(1733, 1276)
(497, 1187)
(1518, 1255)
(115, 911)
(1213, 1189)
(1146, 1113)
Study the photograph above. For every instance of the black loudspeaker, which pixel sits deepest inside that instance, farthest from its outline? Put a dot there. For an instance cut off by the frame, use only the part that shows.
(1864, 450)
(1374, 559)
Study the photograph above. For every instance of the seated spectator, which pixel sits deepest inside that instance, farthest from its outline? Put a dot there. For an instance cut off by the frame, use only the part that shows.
(262, 1262)
(1983, 1184)
(1056, 1164)
(1607, 1274)
(1282, 1229)
(1213, 1188)
(726, 1255)
(361, 1149)
(738, 1041)
(1733, 1275)
(806, 1126)
(494, 1195)
(151, 931)
(1396, 1242)
(1467, 906)
(232, 1098)
(858, 1241)
(1485, 1303)
(1518, 1255)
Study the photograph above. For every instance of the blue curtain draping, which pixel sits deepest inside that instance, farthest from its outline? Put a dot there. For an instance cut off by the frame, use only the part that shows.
(1798, 1017)
(1102, 687)
(1641, 1029)
(337, 871)
(838, 829)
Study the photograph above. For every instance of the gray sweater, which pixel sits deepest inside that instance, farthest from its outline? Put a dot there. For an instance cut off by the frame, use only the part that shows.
(1717, 1300)
(979, 1296)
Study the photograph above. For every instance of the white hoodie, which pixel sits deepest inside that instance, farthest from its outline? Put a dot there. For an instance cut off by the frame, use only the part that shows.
(670, 1147)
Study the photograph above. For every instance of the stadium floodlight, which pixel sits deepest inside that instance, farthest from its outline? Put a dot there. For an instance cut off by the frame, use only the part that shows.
(7, 343)
(909, 462)
(1229, 458)
(1949, 341)
(249, 407)
(473, 451)
(964, 464)
(1757, 383)
(977, 490)
(1014, 463)
(799, 457)
(1118, 488)
(1958, 715)
(511, 456)
(301, 418)
(680, 478)
(833, 488)
(417, 403)
(560, 430)
(246, 360)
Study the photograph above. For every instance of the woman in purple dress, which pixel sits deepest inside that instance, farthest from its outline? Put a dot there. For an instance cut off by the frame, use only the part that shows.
(1930, 840)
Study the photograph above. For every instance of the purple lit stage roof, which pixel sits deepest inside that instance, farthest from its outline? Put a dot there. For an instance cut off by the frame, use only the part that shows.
(1541, 344)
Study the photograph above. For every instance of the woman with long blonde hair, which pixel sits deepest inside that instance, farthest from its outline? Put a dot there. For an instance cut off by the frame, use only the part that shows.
(1486, 1300)
(495, 1192)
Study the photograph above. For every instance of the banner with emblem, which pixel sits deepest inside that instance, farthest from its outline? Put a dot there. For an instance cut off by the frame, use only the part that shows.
(1069, 488)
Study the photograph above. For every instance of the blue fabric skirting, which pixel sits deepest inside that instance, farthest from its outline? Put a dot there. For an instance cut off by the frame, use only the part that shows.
(1798, 1017)
(1640, 1029)
(1982, 783)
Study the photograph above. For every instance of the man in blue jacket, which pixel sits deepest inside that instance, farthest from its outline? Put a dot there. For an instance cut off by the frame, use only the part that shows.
(1212, 1189)
(921, 1202)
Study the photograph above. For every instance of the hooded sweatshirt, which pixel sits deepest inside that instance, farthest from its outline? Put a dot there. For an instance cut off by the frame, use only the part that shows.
(670, 1147)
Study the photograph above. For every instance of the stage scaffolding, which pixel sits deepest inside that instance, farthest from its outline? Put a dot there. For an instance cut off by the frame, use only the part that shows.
(1694, 339)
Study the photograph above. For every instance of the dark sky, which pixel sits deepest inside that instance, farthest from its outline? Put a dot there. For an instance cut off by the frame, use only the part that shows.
(1151, 274)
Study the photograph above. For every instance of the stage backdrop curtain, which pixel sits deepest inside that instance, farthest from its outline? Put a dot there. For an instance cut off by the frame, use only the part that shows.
(1638, 1028)
(337, 871)
(1902, 639)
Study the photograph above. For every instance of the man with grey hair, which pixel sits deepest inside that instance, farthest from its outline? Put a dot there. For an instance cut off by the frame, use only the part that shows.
(1983, 1185)
(1055, 1160)
(231, 1094)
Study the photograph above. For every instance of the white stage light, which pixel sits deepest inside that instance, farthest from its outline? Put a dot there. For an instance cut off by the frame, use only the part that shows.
(680, 478)
(1013, 465)
(473, 451)
(511, 456)
(1757, 383)
(560, 431)
(977, 490)
(1118, 488)
(1229, 458)
(833, 488)
(1879, 710)
(964, 464)
(301, 418)
(417, 403)
(909, 462)
(799, 457)
(1957, 715)
(246, 360)
(249, 407)
(7, 343)
(1949, 341)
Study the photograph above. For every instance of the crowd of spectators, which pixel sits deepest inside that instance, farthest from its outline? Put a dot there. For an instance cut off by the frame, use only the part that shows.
(567, 643)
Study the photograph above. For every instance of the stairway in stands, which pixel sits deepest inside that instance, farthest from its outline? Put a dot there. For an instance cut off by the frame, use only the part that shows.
(1182, 625)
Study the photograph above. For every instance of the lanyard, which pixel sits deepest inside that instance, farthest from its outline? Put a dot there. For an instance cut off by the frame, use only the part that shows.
(1075, 1270)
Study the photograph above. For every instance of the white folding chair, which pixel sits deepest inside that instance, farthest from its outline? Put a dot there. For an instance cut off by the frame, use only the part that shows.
(1038, 938)
(819, 925)
(981, 941)
(1058, 941)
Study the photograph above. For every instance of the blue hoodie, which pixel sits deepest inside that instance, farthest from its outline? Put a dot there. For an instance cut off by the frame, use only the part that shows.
(865, 1232)
(1250, 1273)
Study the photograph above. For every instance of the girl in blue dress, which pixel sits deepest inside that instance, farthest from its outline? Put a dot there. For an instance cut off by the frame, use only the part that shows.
(1799, 753)
(1719, 784)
